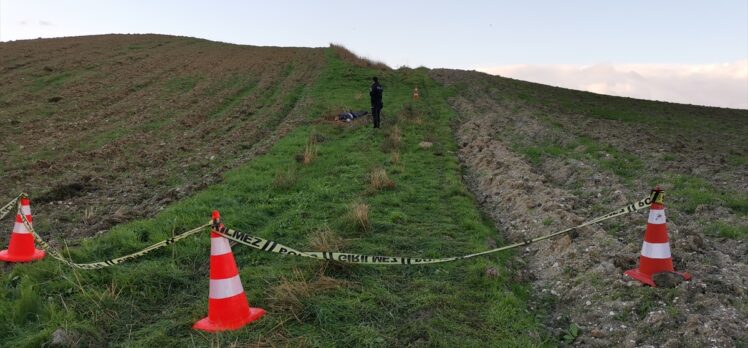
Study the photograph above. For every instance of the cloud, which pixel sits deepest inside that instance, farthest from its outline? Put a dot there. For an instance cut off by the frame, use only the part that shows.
(724, 85)
(39, 22)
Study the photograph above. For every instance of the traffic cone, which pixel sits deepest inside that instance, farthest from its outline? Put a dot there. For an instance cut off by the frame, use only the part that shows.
(228, 308)
(21, 247)
(655, 255)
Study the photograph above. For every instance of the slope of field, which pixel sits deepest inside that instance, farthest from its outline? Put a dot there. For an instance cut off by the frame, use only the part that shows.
(304, 192)
(105, 129)
(541, 158)
(147, 134)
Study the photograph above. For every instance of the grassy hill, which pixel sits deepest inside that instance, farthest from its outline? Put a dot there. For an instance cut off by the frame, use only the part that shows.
(147, 134)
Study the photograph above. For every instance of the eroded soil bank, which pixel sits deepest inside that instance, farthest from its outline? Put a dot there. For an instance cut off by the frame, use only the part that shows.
(537, 167)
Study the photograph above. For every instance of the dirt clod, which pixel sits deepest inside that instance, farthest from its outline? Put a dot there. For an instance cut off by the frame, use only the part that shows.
(667, 279)
(62, 338)
(425, 144)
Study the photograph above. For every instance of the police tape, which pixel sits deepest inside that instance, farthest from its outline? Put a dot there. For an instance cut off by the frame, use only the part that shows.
(54, 253)
(111, 262)
(8, 207)
(275, 247)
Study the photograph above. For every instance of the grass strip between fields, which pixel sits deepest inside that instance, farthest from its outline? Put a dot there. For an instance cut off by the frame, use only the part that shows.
(322, 186)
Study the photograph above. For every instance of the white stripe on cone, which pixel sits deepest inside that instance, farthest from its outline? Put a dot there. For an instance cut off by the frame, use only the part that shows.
(656, 250)
(219, 246)
(26, 210)
(224, 288)
(657, 217)
(19, 227)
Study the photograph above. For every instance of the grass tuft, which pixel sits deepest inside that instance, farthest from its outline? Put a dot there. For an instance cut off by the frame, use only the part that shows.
(310, 153)
(326, 239)
(395, 157)
(358, 216)
(379, 180)
(291, 293)
(393, 140)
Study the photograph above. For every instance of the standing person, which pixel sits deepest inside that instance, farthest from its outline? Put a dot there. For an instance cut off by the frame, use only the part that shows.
(375, 92)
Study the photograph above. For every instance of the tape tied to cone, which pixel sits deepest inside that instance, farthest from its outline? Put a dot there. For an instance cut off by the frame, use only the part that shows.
(228, 308)
(274, 247)
(655, 256)
(21, 246)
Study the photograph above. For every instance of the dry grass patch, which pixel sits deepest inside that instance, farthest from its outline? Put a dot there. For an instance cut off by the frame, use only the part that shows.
(395, 157)
(393, 140)
(379, 180)
(396, 136)
(326, 239)
(291, 292)
(310, 150)
(310, 153)
(358, 216)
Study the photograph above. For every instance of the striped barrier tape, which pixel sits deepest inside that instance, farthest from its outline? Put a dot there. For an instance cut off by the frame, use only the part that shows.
(8, 207)
(271, 246)
(54, 253)
(274, 247)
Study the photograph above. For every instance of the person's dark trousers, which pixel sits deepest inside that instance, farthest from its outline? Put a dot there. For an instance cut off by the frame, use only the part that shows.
(375, 111)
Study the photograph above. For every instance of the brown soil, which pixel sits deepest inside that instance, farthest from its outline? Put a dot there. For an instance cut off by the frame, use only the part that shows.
(579, 278)
(104, 129)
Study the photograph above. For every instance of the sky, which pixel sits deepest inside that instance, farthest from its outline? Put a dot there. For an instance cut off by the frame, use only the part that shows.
(682, 51)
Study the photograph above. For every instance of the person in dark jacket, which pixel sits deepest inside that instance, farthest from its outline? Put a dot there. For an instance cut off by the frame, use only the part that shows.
(375, 92)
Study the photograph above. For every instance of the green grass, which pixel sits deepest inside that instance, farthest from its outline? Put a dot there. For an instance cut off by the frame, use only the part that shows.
(729, 231)
(689, 192)
(735, 160)
(607, 157)
(155, 300)
(181, 84)
(54, 80)
(245, 88)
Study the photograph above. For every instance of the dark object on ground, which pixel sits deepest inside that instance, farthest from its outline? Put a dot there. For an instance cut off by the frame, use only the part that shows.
(349, 116)
(54, 99)
(667, 279)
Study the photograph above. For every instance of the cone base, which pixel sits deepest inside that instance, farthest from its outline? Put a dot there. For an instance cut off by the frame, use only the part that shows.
(206, 324)
(7, 257)
(647, 279)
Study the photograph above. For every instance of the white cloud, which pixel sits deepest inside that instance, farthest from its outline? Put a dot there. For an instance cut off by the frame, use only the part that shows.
(724, 85)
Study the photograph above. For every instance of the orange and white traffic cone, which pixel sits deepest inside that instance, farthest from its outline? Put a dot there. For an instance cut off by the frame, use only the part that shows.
(228, 308)
(655, 255)
(21, 247)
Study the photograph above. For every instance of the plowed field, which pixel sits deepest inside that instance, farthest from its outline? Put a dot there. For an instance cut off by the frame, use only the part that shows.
(101, 130)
